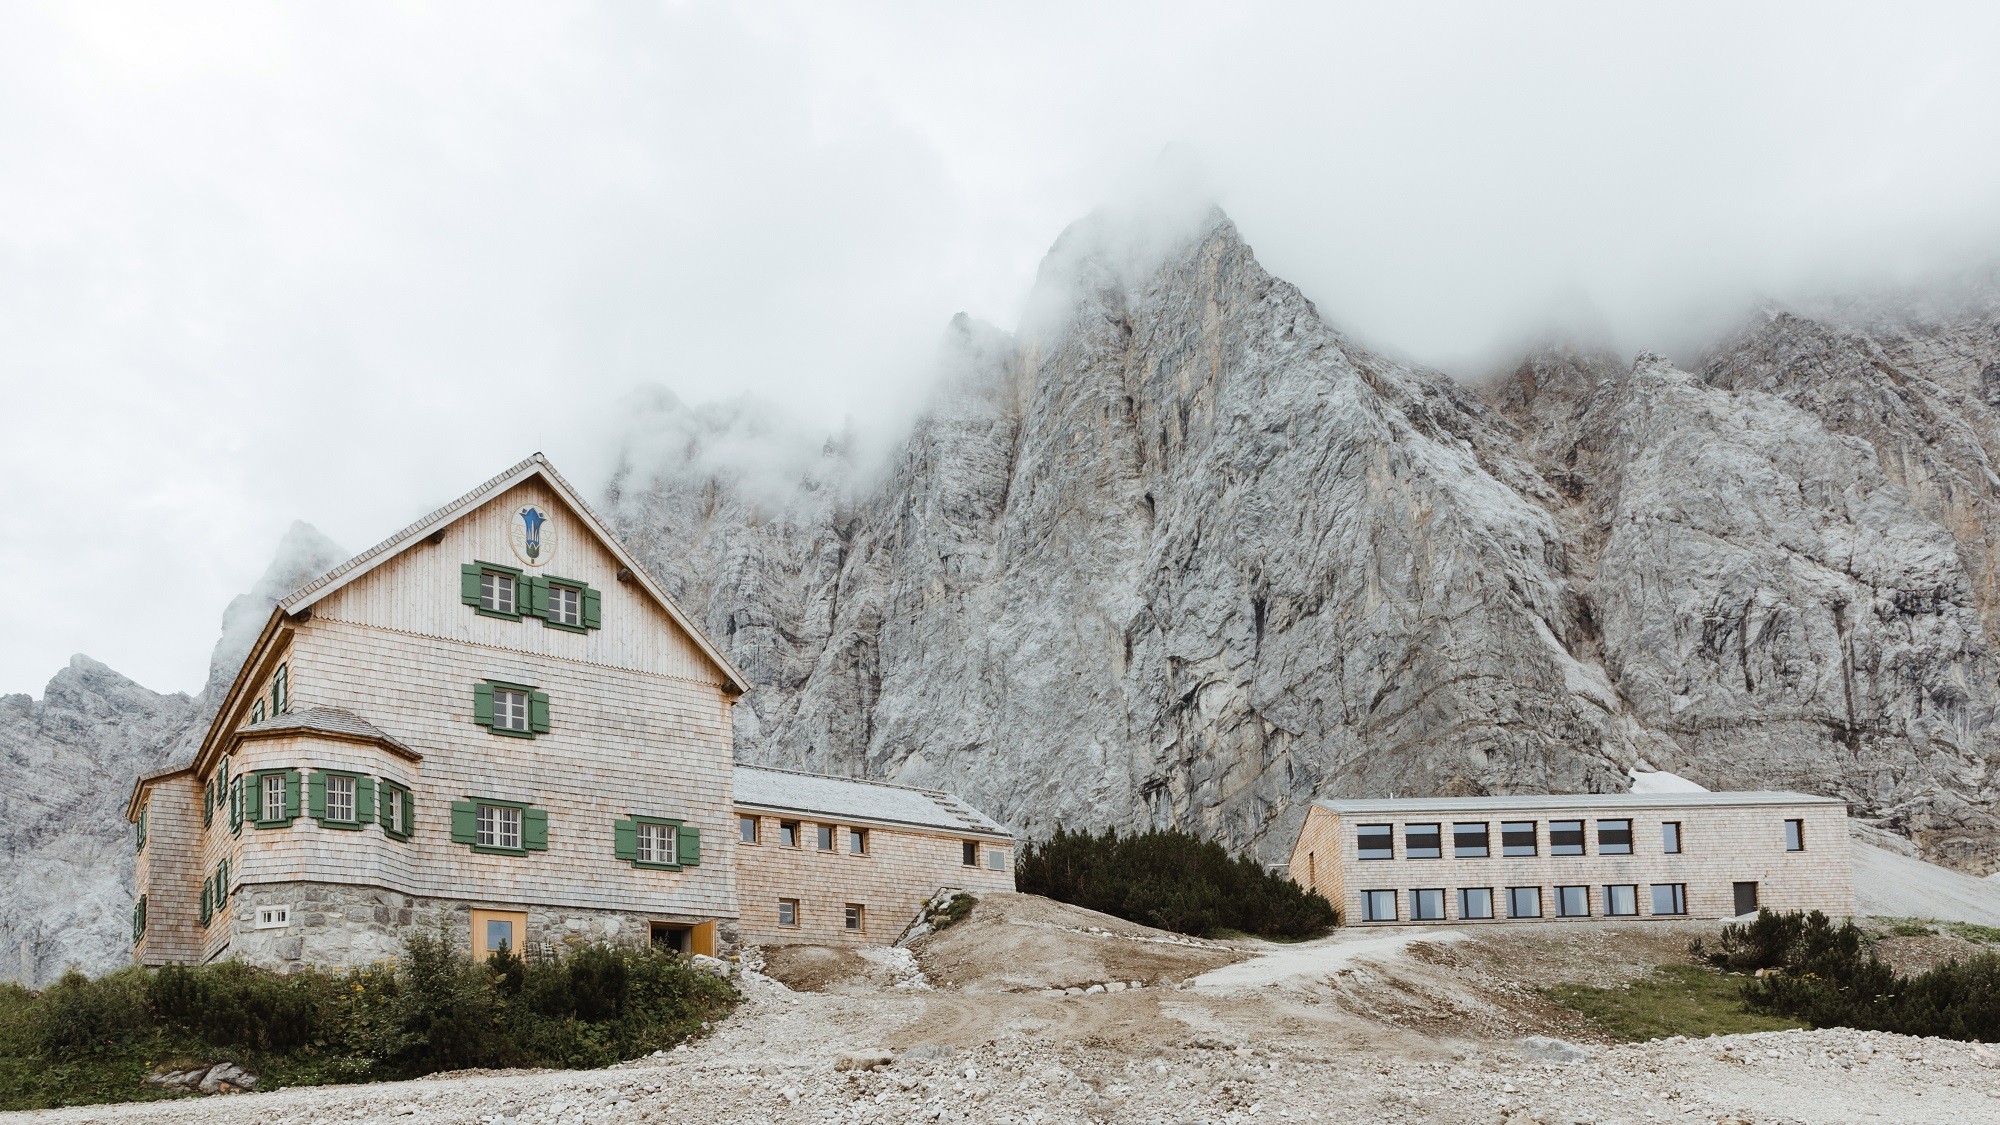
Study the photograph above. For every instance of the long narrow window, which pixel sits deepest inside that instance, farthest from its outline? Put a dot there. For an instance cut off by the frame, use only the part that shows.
(281, 689)
(1468, 841)
(1565, 837)
(1517, 838)
(1795, 835)
(1422, 841)
(1375, 841)
(274, 796)
(1670, 837)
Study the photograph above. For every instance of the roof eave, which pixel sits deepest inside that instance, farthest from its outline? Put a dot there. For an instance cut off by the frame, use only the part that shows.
(385, 742)
(146, 781)
(874, 821)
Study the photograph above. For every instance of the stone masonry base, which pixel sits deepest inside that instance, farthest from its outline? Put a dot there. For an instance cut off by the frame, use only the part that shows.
(340, 926)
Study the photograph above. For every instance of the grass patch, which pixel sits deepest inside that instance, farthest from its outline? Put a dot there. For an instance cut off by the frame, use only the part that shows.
(1989, 935)
(1690, 1000)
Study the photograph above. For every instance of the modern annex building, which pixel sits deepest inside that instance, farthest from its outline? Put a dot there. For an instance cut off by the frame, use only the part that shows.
(1611, 855)
(495, 725)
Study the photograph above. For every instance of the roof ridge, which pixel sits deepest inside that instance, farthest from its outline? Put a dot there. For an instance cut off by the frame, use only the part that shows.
(411, 529)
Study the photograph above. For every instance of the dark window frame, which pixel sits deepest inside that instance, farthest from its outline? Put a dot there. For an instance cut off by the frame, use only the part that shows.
(1412, 833)
(1608, 833)
(1560, 849)
(1362, 851)
(1514, 828)
(1459, 848)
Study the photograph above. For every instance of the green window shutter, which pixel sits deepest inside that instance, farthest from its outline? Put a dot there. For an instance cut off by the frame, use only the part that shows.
(625, 839)
(291, 794)
(482, 704)
(538, 712)
(688, 847)
(364, 800)
(316, 796)
(593, 608)
(464, 822)
(253, 798)
(142, 829)
(206, 912)
(468, 583)
(208, 803)
(409, 800)
(534, 596)
(236, 805)
(535, 829)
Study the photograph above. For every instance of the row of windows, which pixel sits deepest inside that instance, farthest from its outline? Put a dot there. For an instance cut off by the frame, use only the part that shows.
(855, 919)
(792, 834)
(493, 590)
(1618, 900)
(1473, 840)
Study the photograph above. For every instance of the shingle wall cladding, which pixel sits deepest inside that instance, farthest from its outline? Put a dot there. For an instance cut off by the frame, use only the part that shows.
(901, 869)
(339, 925)
(168, 873)
(1721, 845)
(1317, 858)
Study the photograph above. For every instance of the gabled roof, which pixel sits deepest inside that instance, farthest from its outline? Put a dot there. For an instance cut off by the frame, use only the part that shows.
(1562, 802)
(536, 466)
(329, 722)
(878, 802)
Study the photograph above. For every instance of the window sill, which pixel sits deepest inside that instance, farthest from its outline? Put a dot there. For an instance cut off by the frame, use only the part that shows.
(494, 613)
(285, 823)
(342, 825)
(655, 866)
(489, 849)
(565, 627)
(505, 733)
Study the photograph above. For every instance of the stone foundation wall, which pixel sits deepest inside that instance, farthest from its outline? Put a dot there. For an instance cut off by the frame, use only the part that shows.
(334, 925)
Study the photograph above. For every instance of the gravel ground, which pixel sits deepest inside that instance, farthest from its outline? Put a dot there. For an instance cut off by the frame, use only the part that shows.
(1359, 1027)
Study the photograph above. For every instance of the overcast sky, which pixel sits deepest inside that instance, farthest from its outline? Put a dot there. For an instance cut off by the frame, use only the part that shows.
(341, 261)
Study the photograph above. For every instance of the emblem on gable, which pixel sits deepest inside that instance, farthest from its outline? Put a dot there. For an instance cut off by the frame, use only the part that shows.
(532, 536)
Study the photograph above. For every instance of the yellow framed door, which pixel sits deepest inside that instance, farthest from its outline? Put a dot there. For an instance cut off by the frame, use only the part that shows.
(492, 928)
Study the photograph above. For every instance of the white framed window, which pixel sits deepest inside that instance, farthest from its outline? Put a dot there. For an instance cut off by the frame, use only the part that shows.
(274, 796)
(1378, 906)
(274, 917)
(857, 917)
(499, 827)
(656, 843)
(340, 798)
(496, 591)
(392, 818)
(788, 912)
(510, 709)
(565, 605)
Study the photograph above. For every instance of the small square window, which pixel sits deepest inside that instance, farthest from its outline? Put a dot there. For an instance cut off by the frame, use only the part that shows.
(823, 837)
(340, 798)
(510, 709)
(788, 833)
(1422, 841)
(656, 843)
(1518, 838)
(996, 859)
(968, 853)
(1795, 835)
(857, 917)
(1670, 837)
(1565, 837)
(1375, 841)
(1621, 901)
(1427, 905)
(1670, 898)
(1614, 837)
(565, 605)
(1475, 903)
(746, 829)
(496, 591)
(1572, 902)
(1468, 841)
(499, 827)
(788, 912)
(1524, 902)
(857, 841)
(1378, 906)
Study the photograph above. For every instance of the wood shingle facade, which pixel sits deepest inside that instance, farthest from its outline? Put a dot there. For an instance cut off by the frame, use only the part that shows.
(494, 725)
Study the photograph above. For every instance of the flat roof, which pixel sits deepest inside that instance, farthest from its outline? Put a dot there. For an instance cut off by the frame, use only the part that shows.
(1557, 802)
(848, 798)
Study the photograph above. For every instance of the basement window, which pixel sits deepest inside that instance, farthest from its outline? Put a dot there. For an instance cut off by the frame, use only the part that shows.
(1670, 898)
(274, 917)
(1524, 902)
(857, 917)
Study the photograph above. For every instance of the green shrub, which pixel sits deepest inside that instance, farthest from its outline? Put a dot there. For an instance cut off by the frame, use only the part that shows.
(83, 1040)
(1826, 975)
(1171, 880)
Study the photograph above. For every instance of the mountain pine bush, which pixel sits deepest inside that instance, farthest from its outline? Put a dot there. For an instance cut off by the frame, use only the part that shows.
(1173, 881)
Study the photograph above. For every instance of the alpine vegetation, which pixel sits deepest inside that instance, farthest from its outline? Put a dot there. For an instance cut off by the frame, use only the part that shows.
(1172, 880)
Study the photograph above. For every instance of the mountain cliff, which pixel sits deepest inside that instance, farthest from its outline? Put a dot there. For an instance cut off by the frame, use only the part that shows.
(1179, 552)
(67, 764)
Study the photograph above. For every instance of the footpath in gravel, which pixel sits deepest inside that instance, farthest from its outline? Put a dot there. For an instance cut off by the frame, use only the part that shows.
(899, 1039)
